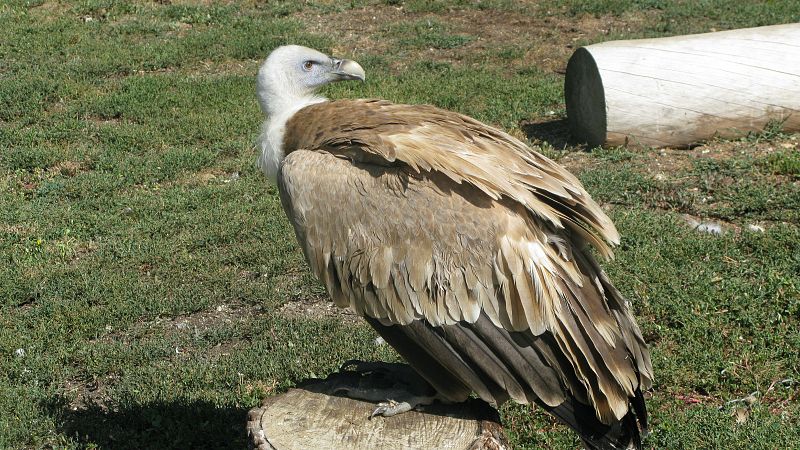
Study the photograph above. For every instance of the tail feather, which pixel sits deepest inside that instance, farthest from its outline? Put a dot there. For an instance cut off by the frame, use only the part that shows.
(498, 364)
(624, 434)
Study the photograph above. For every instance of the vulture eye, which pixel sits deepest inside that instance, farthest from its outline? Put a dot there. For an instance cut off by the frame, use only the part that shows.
(307, 66)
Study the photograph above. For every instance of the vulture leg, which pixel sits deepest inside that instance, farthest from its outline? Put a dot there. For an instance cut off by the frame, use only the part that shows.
(397, 387)
(391, 408)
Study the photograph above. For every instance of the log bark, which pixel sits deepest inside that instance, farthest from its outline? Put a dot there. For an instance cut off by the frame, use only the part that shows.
(680, 90)
(317, 416)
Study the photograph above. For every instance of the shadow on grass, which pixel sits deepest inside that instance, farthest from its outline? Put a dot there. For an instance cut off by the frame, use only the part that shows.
(169, 425)
(554, 132)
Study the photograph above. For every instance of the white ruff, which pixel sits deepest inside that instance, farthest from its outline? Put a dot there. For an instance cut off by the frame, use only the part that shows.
(271, 138)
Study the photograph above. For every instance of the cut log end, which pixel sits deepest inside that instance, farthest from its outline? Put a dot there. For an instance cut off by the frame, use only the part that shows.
(317, 416)
(682, 90)
(585, 98)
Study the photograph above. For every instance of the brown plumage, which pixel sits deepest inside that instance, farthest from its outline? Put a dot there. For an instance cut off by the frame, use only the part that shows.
(469, 253)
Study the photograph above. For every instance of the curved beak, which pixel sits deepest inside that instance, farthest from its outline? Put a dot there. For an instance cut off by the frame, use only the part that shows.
(345, 69)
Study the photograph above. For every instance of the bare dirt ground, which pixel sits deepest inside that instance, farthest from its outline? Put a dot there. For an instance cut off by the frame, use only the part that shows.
(662, 163)
(318, 308)
(547, 39)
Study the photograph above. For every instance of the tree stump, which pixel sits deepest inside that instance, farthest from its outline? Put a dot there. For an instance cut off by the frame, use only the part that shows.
(680, 90)
(316, 415)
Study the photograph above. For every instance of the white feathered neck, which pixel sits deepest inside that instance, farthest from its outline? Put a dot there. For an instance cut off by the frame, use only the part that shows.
(280, 97)
(271, 139)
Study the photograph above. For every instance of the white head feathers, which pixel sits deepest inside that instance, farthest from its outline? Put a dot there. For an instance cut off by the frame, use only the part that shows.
(286, 83)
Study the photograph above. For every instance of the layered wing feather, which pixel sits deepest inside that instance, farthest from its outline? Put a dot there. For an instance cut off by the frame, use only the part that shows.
(402, 242)
(427, 139)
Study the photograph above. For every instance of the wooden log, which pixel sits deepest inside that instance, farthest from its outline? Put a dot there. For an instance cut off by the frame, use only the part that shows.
(319, 416)
(680, 90)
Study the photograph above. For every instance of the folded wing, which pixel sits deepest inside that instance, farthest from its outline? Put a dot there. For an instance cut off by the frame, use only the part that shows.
(431, 224)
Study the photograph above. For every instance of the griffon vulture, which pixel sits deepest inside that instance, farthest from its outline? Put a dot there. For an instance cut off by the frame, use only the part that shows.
(464, 248)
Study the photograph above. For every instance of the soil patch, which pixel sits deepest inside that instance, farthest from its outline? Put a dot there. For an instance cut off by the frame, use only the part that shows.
(318, 308)
(546, 38)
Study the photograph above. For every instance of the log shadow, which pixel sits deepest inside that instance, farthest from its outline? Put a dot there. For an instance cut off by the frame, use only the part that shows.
(158, 425)
(554, 132)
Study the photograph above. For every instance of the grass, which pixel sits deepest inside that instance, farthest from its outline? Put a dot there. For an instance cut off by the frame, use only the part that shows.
(146, 262)
(426, 34)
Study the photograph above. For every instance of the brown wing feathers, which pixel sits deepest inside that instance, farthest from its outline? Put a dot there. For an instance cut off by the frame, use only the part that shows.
(458, 241)
(429, 139)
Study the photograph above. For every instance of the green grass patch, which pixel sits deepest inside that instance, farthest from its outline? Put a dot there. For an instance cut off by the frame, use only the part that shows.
(426, 33)
(783, 163)
(146, 261)
(738, 188)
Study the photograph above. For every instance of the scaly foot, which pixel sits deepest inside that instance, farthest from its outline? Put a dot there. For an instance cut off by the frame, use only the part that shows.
(399, 383)
(390, 408)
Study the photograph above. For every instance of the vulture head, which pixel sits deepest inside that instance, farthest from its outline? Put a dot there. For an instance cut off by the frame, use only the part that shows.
(292, 73)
